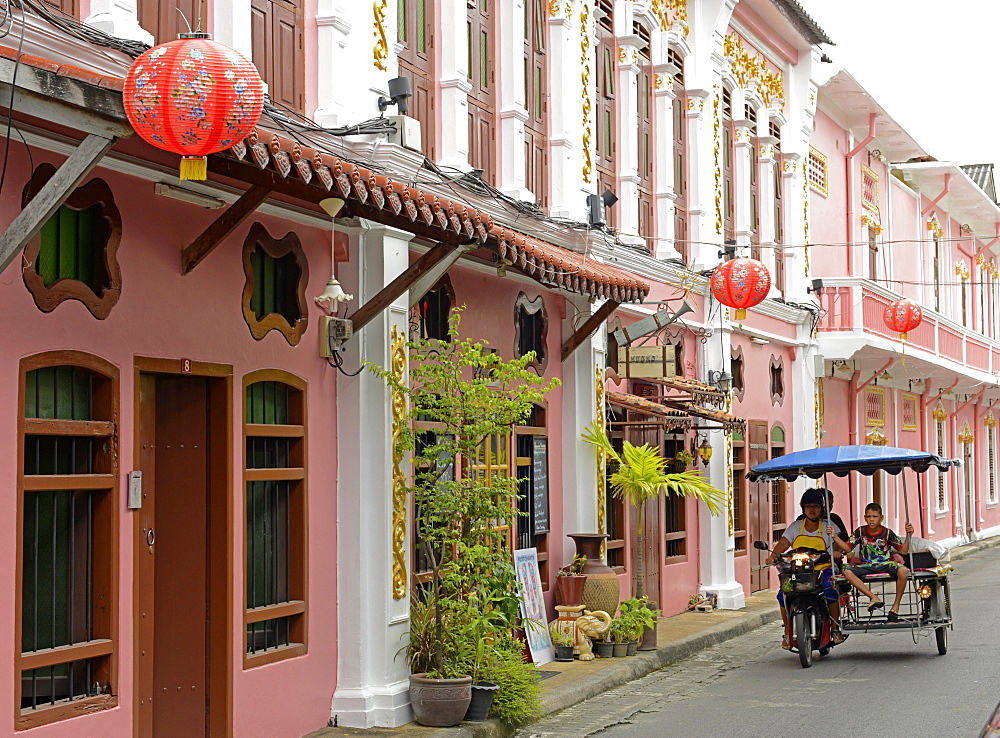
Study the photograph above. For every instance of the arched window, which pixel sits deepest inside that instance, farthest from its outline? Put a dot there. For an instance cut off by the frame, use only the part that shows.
(275, 517)
(530, 329)
(67, 556)
(431, 313)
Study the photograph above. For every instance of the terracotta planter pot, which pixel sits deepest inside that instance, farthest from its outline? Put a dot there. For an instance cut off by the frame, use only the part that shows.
(439, 703)
(569, 589)
(482, 699)
(601, 591)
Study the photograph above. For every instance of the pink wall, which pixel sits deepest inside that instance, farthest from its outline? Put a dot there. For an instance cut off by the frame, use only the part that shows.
(162, 314)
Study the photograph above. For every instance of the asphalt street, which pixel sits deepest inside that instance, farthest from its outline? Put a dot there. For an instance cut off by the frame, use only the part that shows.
(878, 684)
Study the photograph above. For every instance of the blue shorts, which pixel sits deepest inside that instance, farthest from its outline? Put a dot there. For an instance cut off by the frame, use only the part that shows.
(826, 582)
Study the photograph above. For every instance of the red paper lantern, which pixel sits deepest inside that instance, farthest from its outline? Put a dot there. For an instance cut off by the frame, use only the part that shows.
(193, 97)
(741, 284)
(902, 316)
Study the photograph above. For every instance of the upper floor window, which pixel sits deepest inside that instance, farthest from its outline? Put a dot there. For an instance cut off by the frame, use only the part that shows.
(535, 101)
(67, 515)
(274, 293)
(779, 208)
(431, 313)
(530, 328)
(415, 32)
(275, 503)
(75, 254)
(680, 157)
(482, 102)
(869, 188)
(277, 43)
(751, 118)
(816, 170)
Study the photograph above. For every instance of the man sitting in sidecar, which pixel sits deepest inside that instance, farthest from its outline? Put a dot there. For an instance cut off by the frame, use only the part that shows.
(808, 533)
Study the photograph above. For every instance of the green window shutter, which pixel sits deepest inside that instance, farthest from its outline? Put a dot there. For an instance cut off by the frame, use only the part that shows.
(69, 247)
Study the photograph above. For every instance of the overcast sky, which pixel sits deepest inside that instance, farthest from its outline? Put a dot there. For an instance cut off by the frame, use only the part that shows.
(931, 66)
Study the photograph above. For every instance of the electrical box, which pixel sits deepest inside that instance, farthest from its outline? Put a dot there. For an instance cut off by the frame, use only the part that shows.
(407, 132)
(333, 333)
(134, 490)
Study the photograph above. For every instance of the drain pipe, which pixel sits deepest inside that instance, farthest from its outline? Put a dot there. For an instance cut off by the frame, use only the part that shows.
(936, 200)
(849, 164)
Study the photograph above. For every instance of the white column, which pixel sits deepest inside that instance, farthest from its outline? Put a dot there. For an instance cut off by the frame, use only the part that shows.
(118, 18)
(231, 25)
(512, 112)
(665, 195)
(796, 218)
(372, 682)
(453, 49)
(705, 159)
(628, 139)
(566, 119)
(742, 161)
(716, 550)
(343, 99)
(765, 201)
(579, 393)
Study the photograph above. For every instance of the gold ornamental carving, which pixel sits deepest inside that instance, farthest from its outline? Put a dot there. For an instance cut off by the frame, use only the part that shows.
(962, 270)
(381, 49)
(398, 368)
(966, 436)
(588, 162)
(940, 414)
(752, 70)
(805, 221)
(602, 459)
(669, 12)
(716, 125)
(730, 514)
(553, 8)
(989, 421)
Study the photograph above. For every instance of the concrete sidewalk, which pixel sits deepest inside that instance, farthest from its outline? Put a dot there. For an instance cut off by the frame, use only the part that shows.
(678, 637)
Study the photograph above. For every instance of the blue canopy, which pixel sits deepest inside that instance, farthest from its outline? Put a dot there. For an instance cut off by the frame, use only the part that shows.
(840, 460)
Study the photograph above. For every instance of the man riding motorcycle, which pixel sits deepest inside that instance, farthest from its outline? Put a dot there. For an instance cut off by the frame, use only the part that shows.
(809, 532)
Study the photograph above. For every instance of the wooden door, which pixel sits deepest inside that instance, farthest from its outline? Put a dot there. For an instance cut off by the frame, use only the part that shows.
(759, 511)
(181, 578)
(277, 50)
(166, 20)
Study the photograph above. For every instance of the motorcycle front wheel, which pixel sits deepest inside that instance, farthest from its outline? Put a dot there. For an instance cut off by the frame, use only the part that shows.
(803, 638)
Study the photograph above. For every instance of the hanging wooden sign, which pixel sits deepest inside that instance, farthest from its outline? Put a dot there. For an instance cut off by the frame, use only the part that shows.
(646, 362)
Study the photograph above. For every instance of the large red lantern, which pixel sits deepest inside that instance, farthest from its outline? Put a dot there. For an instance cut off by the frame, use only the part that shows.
(902, 316)
(193, 97)
(741, 284)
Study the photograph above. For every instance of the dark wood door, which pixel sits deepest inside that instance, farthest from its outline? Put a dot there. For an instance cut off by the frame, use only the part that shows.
(759, 503)
(276, 31)
(166, 20)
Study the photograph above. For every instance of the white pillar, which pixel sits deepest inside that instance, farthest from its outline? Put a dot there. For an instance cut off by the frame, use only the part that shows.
(231, 25)
(512, 112)
(118, 18)
(455, 85)
(705, 143)
(742, 161)
(372, 682)
(343, 99)
(579, 409)
(665, 195)
(628, 139)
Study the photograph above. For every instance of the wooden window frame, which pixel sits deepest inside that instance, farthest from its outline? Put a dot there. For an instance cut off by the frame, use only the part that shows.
(418, 64)
(675, 442)
(869, 177)
(536, 85)
(105, 538)
(95, 192)
(913, 401)
(418, 328)
(875, 406)
(740, 501)
(680, 157)
(298, 545)
(779, 490)
(482, 97)
(818, 171)
(276, 249)
(777, 375)
(271, 66)
(523, 305)
(728, 167)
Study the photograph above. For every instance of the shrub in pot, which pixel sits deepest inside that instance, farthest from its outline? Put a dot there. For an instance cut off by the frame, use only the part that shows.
(564, 645)
(639, 617)
(570, 581)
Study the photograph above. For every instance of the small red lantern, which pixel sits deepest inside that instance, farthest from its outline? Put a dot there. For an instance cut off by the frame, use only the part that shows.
(902, 316)
(194, 97)
(741, 284)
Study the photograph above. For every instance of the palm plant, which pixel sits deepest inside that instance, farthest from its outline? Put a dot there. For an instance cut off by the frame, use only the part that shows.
(640, 477)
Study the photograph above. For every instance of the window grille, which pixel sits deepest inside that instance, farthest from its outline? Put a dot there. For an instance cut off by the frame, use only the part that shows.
(816, 170)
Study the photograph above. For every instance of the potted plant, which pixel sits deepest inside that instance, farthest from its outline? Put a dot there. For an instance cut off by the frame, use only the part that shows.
(563, 643)
(570, 581)
(683, 459)
(472, 396)
(640, 477)
(604, 648)
(638, 616)
(619, 633)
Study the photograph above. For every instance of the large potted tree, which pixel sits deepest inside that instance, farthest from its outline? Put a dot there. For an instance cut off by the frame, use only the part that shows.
(470, 399)
(640, 476)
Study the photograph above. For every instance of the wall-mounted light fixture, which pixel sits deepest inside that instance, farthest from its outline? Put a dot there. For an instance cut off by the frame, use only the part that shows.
(185, 195)
(817, 287)
(728, 250)
(399, 94)
(333, 293)
(596, 205)
(705, 451)
(723, 381)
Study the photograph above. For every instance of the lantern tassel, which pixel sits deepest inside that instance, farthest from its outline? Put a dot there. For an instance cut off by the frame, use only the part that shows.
(741, 314)
(902, 338)
(194, 167)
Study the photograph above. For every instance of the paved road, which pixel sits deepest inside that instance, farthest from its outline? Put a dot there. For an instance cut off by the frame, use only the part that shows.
(873, 685)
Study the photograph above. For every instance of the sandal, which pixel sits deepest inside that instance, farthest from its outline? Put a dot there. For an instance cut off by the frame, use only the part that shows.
(877, 605)
(892, 616)
(838, 637)
(786, 642)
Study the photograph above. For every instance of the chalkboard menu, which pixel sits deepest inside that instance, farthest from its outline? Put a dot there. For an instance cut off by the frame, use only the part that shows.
(540, 483)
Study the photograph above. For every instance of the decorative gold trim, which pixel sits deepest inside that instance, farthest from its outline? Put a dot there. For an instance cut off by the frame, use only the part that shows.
(717, 124)
(880, 393)
(553, 8)
(669, 12)
(398, 367)
(588, 162)
(935, 227)
(875, 437)
(966, 436)
(751, 70)
(915, 425)
(871, 205)
(805, 217)
(381, 49)
(989, 421)
(962, 270)
(602, 459)
(940, 414)
(731, 521)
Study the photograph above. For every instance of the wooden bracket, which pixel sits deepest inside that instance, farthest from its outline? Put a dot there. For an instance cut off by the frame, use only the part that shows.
(436, 261)
(227, 222)
(51, 196)
(584, 331)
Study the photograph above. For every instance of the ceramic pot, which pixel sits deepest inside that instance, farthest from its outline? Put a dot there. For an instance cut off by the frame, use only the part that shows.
(619, 650)
(569, 589)
(482, 698)
(604, 649)
(564, 653)
(439, 703)
(601, 591)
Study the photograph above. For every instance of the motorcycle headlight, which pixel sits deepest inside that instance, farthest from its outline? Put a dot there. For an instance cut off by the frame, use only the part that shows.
(800, 557)
(925, 591)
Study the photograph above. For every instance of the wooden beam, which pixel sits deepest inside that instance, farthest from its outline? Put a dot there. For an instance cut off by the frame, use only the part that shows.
(52, 195)
(227, 222)
(428, 279)
(584, 331)
(391, 292)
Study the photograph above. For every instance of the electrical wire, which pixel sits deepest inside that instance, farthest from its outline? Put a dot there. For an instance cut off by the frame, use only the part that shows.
(338, 361)
(10, 102)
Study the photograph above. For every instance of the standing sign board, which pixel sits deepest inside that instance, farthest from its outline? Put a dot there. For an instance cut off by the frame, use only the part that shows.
(540, 483)
(646, 362)
(533, 606)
